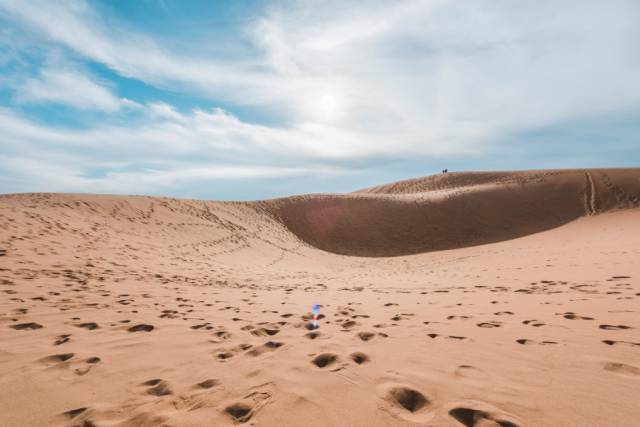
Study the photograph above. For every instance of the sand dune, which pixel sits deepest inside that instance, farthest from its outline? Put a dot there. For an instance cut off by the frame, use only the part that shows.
(465, 299)
(455, 210)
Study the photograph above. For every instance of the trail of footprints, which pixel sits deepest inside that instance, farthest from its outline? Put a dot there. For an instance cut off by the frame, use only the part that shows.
(346, 319)
(67, 360)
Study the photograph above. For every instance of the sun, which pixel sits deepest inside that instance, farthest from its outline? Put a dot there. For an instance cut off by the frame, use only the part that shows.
(328, 105)
(322, 102)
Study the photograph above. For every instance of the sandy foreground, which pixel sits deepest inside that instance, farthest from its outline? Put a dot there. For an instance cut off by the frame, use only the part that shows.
(470, 299)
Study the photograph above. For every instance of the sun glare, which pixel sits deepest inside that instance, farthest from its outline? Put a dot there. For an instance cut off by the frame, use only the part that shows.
(327, 106)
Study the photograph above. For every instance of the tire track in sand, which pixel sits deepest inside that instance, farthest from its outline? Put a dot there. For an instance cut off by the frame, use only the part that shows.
(590, 196)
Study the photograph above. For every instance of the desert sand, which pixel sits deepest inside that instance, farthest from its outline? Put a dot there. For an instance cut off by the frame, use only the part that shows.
(462, 299)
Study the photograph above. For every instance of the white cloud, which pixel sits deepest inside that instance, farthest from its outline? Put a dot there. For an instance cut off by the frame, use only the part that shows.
(455, 73)
(68, 86)
(65, 176)
(164, 110)
(134, 54)
(168, 150)
(409, 76)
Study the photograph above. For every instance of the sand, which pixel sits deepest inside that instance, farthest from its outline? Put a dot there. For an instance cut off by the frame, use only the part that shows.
(465, 299)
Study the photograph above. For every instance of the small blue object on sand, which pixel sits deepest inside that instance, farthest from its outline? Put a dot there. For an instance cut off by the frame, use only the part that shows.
(315, 310)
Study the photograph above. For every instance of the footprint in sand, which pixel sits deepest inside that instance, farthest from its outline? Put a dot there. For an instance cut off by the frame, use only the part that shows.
(83, 370)
(468, 371)
(57, 358)
(470, 417)
(573, 316)
(141, 328)
(626, 343)
(242, 411)
(73, 414)
(261, 332)
(449, 337)
(239, 412)
(489, 325)
(524, 341)
(359, 358)
(366, 336)
(348, 324)
(407, 403)
(220, 335)
(407, 398)
(207, 384)
(267, 347)
(312, 335)
(157, 387)
(26, 326)
(614, 327)
(89, 325)
(621, 368)
(61, 339)
(224, 355)
(169, 314)
(208, 326)
(533, 322)
(325, 359)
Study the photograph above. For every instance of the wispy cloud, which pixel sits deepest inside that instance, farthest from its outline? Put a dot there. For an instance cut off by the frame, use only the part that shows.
(64, 85)
(168, 150)
(134, 54)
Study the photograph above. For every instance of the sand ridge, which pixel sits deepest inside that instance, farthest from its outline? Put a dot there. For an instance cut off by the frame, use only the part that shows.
(455, 210)
(131, 310)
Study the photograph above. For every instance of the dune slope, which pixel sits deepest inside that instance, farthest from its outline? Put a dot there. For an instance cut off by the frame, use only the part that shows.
(455, 210)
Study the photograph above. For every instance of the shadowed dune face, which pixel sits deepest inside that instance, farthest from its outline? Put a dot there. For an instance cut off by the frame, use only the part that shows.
(454, 210)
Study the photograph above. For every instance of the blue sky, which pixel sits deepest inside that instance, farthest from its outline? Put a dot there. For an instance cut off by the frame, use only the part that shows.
(240, 100)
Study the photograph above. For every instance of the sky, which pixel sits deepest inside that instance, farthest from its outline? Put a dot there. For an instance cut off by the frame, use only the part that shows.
(242, 100)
